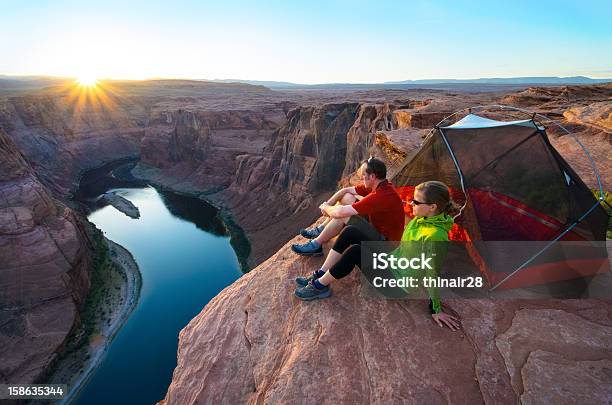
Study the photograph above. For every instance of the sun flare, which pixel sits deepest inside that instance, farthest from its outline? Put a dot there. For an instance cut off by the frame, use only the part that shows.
(87, 80)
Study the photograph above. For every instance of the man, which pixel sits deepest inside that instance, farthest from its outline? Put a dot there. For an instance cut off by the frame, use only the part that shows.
(385, 212)
(332, 226)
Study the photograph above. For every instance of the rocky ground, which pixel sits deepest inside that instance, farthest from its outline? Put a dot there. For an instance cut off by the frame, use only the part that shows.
(267, 157)
(256, 343)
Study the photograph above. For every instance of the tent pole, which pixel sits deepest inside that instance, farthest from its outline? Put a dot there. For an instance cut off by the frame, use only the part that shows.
(450, 150)
(586, 152)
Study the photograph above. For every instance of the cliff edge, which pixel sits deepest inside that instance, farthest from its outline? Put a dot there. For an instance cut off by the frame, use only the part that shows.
(256, 343)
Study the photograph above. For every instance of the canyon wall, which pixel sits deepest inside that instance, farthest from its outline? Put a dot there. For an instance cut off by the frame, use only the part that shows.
(45, 261)
(62, 137)
(248, 148)
(195, 150)
(273, 194)
(586, 111)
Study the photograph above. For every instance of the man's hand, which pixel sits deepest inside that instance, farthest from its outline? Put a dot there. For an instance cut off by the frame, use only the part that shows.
(446, 319)
(322, 208)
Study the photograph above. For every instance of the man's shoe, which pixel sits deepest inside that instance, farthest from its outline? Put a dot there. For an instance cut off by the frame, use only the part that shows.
(309, 248)
(303, 281)
(310, 292)
(312, 232)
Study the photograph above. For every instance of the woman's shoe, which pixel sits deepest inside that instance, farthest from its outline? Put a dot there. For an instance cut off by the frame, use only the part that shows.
(303, 281)
(310, 292)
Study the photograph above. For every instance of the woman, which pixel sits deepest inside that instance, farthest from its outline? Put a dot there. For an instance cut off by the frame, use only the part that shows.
(427, 233)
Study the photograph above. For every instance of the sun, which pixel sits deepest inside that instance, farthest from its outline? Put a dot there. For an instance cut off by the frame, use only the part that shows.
(87, 80)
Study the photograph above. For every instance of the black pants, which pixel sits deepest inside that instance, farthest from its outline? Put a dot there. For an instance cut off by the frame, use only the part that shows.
(349, 245)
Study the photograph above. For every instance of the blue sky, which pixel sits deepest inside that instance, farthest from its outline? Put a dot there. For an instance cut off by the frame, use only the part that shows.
(306, 42)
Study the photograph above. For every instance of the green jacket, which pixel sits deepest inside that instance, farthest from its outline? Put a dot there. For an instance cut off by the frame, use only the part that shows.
(427, 235)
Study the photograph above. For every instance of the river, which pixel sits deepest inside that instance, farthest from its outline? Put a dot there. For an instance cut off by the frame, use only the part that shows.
(184, 254)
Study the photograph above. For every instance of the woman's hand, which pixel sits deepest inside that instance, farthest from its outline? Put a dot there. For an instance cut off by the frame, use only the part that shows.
(446, 319)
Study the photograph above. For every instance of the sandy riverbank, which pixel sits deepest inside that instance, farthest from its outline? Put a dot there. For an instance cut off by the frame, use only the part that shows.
(120, 292)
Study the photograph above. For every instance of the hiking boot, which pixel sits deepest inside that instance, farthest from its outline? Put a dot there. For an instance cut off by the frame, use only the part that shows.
(310, 248)
(309, 292)
(303, 281)
(313, 232)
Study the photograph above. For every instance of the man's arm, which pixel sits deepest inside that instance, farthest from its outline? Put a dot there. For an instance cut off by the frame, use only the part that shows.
(338, 211)
(339, 194)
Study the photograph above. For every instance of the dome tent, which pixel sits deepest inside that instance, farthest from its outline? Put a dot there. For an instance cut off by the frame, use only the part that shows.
(521, 202)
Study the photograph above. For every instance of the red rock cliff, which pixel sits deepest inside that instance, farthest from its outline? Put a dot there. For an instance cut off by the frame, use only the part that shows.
(256, 343)
(44, 269)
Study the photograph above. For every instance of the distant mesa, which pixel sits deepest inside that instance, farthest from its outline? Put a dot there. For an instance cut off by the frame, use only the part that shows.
(426, 83)
(550, 80)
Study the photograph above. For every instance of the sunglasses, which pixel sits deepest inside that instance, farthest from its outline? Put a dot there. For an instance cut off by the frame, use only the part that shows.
(416, 202)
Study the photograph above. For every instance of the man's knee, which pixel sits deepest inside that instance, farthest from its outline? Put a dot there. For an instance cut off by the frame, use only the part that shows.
(348, 199)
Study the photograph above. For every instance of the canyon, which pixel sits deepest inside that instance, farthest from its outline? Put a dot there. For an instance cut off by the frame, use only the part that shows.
(267, 158)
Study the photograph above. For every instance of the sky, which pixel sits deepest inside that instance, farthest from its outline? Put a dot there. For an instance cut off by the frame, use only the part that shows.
(307, 42)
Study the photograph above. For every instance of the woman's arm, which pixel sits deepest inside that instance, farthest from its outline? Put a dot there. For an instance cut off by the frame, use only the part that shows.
(437, 251)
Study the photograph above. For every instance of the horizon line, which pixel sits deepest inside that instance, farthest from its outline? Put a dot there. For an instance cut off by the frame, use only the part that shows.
(403, 81)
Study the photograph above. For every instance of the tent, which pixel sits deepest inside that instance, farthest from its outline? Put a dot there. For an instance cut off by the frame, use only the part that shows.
(522, 204)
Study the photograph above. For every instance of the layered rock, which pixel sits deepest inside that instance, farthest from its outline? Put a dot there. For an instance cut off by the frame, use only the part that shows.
(62, 135)
(541, 96)
(370, 118)
(191, 148)
(45, 260)
(272, 194)
(67, 129)
(256, 343)
(315, 152)
(422, 120)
